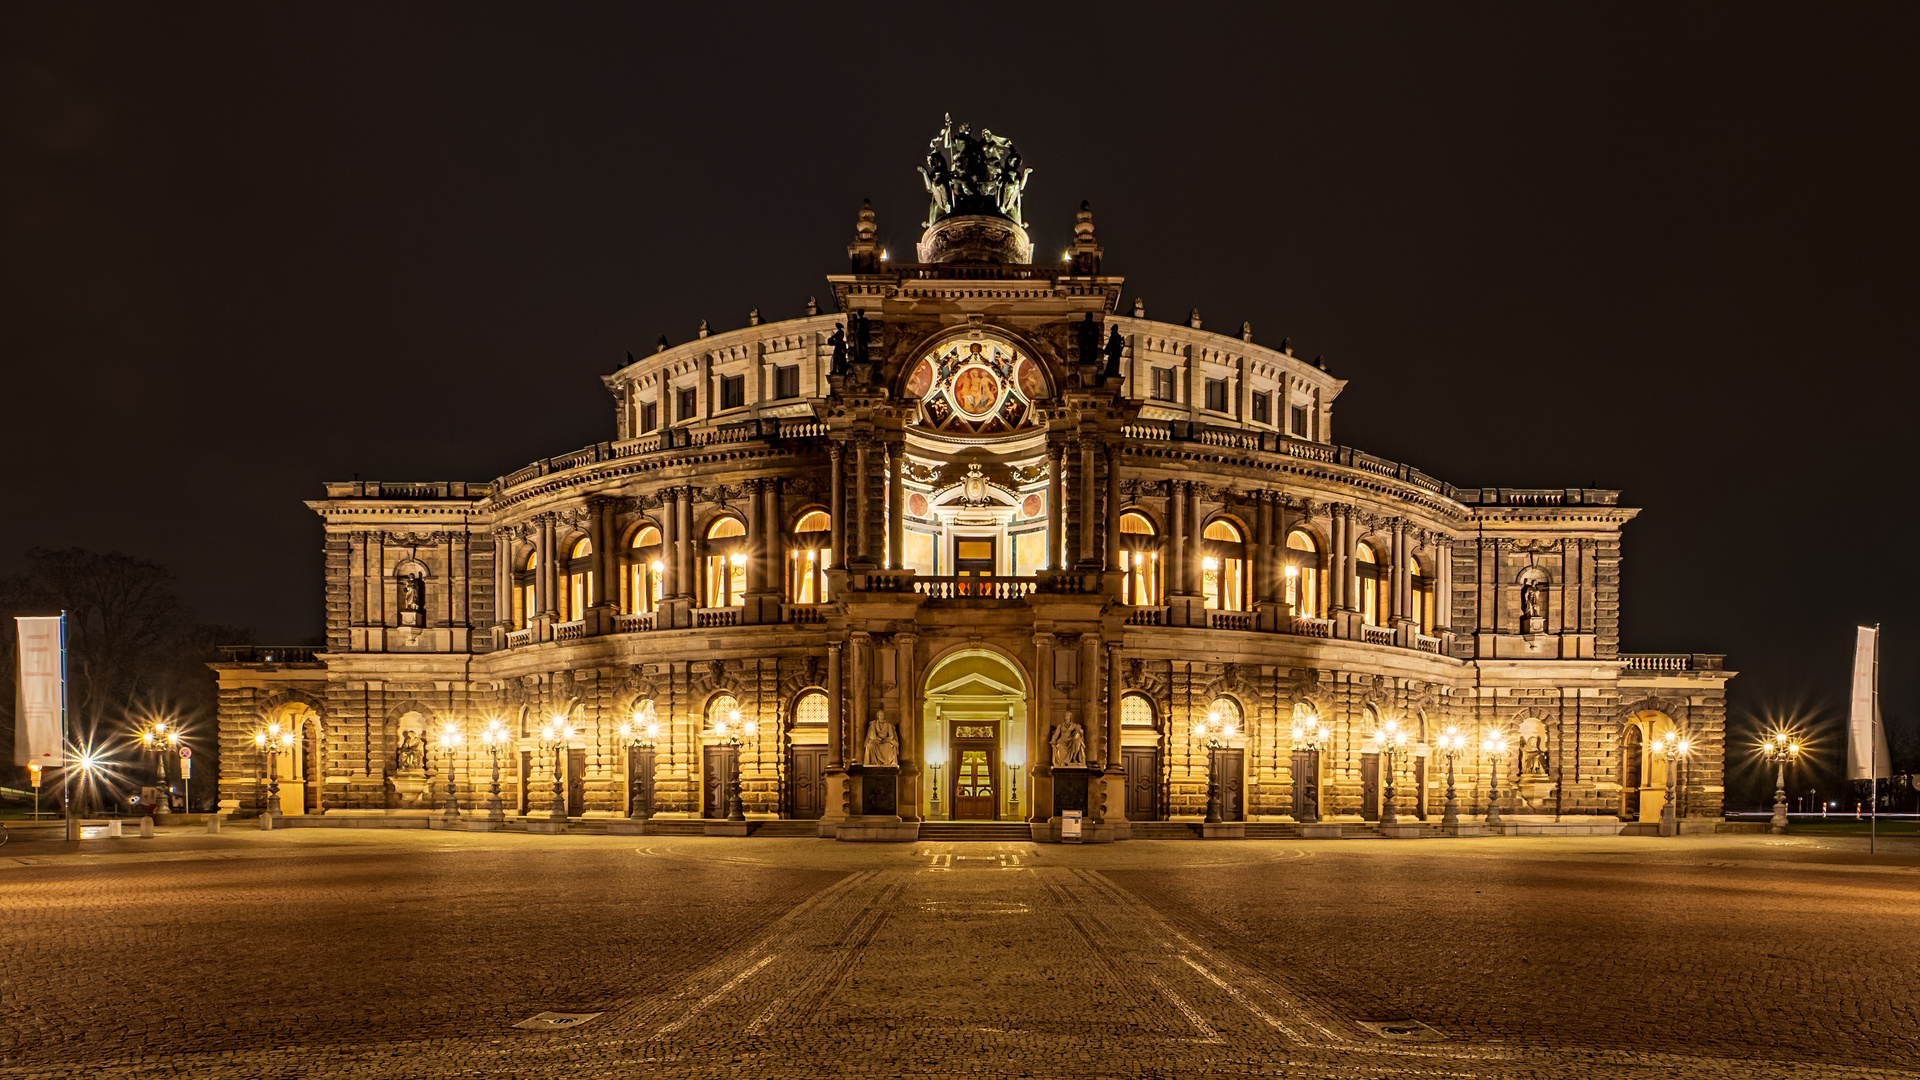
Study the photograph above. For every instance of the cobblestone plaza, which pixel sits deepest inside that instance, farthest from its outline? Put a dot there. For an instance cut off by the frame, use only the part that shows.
(378, 953)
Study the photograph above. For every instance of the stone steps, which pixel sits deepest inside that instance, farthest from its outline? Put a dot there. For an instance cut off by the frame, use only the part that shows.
(1001, 831)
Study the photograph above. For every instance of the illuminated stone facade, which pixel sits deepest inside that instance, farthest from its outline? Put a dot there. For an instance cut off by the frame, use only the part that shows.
(986, 517)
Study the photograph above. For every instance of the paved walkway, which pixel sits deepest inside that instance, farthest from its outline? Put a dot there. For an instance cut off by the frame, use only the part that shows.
(388, 954)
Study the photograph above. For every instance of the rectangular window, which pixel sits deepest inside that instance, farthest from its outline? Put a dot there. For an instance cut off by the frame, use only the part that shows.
(1263, 408)
(786, 381)
(649, 417)
(1163, 384)
(1299, 421)
(733, 391)
(1216, 395)
(688, 404)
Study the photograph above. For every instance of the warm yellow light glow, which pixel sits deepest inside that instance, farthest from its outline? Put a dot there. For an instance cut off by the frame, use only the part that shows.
(753, 728)
(658, 566)
(720, 726)
(451, 737)
(626, 731)
(1209, 563)
(1228, 731)
(738, 558)
(260, 739)
(653, 731)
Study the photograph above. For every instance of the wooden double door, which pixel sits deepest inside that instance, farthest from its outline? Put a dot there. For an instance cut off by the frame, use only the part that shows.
(975, 791)
(807, 783)
(722, 764)
(1143, 782)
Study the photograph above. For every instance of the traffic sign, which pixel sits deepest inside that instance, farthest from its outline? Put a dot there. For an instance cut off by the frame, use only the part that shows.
(186, 752)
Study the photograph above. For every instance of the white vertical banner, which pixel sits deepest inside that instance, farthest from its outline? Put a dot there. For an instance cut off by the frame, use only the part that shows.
(40, 691)
(1866, 738)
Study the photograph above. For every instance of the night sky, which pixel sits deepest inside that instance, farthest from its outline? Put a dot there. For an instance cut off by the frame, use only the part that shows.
(251, 248)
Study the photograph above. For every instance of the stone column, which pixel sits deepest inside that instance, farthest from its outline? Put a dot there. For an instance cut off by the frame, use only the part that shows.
(1193, 521)
(1442, 582)
(1040, 732)
(1400, 606)
(502, 577)
(1085, 516)
(683, 509)
(896, 505)
(1113, 506)
(836, 722)
(837, 503)
(1056, 514)
(912, 757)
(862, 694)
(1260, 556)
(1177, 537)
(1115, 784)
(546, 577)
(1277, 579)
(862, 451)
(773, 576)
(756, 538)
(669, 545)
(1343, 557)
(597, 515)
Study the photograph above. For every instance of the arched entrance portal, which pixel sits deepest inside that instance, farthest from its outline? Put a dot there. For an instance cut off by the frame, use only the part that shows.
(1646, 769)
(975, 727)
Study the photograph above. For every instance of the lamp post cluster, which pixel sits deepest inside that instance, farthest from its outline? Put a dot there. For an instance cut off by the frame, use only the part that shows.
(639, 733)
(158, 740)
(1216, 731)
(450, 739)
(1450, 743)
(1779, 749)
(1311, 736)
(729, 728)
(1674, 747)
(555, 734)
(272, 741)
(1391, 738)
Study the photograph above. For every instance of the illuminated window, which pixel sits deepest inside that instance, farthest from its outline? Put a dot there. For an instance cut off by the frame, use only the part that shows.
(722, 713)
(640, 585)
(1224, 717)
(1303, 573)
(810, 710)
(1422, 596)
(1136, 711)
(1223, 566)
(576, 582)
(526, 596)
(1368, 571)
(726, 564)
(1139, 560)
(809, 558)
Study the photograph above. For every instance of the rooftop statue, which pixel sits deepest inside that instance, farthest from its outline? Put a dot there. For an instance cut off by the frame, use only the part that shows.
(968, 173)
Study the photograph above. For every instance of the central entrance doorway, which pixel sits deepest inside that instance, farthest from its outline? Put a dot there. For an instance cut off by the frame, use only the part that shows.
(972, 558)
(976, 772)
(975, 726)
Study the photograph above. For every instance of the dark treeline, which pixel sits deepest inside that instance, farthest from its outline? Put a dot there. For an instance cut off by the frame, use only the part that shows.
(134, 651)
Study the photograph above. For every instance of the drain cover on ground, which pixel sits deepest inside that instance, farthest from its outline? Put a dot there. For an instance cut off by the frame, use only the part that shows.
(1401, 1030)
(552, 1021)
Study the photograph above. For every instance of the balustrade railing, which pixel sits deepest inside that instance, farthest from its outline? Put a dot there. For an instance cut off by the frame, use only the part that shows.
(975, 588)
(639, 620)
(1308, 626)
(1376, 635)
(804, 614)
(1230, 620)
(704, 618)
(517, 638)
(801, 429)
(1658, 661)
(570, 631)
(1147, 616)
(1427, 644)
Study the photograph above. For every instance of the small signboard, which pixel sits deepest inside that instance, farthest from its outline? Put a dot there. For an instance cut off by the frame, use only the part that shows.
(33, 772)
(1070, 825)
(186, 752)
(186, 764)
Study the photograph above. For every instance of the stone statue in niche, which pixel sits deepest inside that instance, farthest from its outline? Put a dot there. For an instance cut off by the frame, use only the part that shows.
(1533, 756)
(412, 750)
(1533, 605)
(839, 342)
(1115, 345)
(1069, 745)
(1089, 340)
(413, 600)
(859, 333)
(882, 750)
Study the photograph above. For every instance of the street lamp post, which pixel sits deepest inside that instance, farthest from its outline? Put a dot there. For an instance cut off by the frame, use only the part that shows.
(1780, 749)
(1391, 738)
(554, 735)
(641, 732)
(271, 741)
(1494, 745)
(450, 737)
(1311, 737)
(1217, 732)
(934, 762)
(1451, 742)
(495, 736)
(1673, 748)
(158, 738)
(729, 729)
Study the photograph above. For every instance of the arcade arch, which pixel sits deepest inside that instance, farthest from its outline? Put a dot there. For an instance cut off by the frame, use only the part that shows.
(975, 723)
